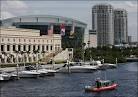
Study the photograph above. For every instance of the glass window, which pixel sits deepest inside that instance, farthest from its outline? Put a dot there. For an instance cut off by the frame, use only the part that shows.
(19, 47)
(13, 47)
(2, 39)
(33, 47)
(47, 47)
(2, 47)
(38, 47)
(29, 47)
(8, 47)
(24, 47)
(43, 48)
(51, 47)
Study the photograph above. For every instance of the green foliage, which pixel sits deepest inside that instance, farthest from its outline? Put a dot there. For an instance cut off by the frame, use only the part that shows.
(109, 54)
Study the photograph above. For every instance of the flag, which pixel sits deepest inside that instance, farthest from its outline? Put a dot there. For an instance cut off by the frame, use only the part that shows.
(62, 29)
(50, 29)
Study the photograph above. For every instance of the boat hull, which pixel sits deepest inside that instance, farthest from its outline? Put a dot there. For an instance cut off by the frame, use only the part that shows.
(28, 75)
(94, 89)
(65, 70)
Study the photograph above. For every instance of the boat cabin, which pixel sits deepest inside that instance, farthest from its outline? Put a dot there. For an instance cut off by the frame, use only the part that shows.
(103, 83)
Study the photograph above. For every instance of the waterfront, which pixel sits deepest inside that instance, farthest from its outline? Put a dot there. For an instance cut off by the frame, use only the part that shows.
(72, 85)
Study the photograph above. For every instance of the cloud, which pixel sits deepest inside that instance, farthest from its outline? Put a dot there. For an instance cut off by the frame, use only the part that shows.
(16, 4)
(130, 4)
(5, 14)
(11, 8)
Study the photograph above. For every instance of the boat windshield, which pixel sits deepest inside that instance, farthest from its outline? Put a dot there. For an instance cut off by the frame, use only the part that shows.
(103, 83)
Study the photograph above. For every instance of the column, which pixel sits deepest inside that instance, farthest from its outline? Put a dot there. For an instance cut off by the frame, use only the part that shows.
(5, 48)
(40, 48)
(16, 47)
(11, 48)
(21, 47)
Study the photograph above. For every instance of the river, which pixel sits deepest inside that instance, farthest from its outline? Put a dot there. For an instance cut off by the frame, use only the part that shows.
(72, 85)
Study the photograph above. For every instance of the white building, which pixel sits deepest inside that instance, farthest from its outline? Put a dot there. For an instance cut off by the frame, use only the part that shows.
(26, 45)
(92, 38)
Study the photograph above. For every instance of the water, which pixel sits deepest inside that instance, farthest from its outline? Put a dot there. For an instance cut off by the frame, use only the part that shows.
(72, 85)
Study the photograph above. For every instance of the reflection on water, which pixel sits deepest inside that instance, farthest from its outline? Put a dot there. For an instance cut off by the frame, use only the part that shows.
(72, 85)
(132, 67)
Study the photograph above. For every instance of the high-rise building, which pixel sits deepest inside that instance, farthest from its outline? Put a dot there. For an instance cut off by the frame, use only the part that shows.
(120, 26)
(103, 23)
(92, 38)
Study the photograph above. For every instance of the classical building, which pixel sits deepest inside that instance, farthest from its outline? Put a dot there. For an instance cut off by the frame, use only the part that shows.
(120, 26)
(103, 23)
(26, 45)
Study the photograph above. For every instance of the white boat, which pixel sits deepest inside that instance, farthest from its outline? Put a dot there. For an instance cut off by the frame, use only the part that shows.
(42, 72)
(77, 68)
(4, 77)
(28, 74)
(51, 72)
(108, 66)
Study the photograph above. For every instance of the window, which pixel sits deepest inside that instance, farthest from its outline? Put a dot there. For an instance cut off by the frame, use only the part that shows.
(14, 40)
(47, 47)
(24, 47)
(13, 47)
(24, 40)
(8, 39)
(43, 48)
(2, 47)
(19, 47)
(8, 47)
(19, 40)
(38, 47)
(51, 47)
(29, 47)
(2, 39)
(33, 47)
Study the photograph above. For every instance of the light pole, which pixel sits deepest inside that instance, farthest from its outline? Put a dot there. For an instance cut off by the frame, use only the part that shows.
(83, 45)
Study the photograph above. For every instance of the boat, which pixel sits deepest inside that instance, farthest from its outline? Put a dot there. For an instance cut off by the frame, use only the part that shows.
(43, 72)
(28, 74)
(107, 66)
(50, 72)
(4, 76)
(82, 68)
(104, 86)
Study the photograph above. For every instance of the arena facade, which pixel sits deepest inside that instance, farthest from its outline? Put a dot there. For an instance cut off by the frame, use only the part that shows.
(74, 29)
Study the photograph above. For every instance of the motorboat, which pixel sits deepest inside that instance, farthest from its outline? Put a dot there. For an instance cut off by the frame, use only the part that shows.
(4, 77)
(101, 85)
(42, 71)
(28, 74)
(50, 72)
(107, 66)
(77, 68)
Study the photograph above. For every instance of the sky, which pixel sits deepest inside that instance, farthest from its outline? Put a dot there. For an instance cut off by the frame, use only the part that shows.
(79, 10)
